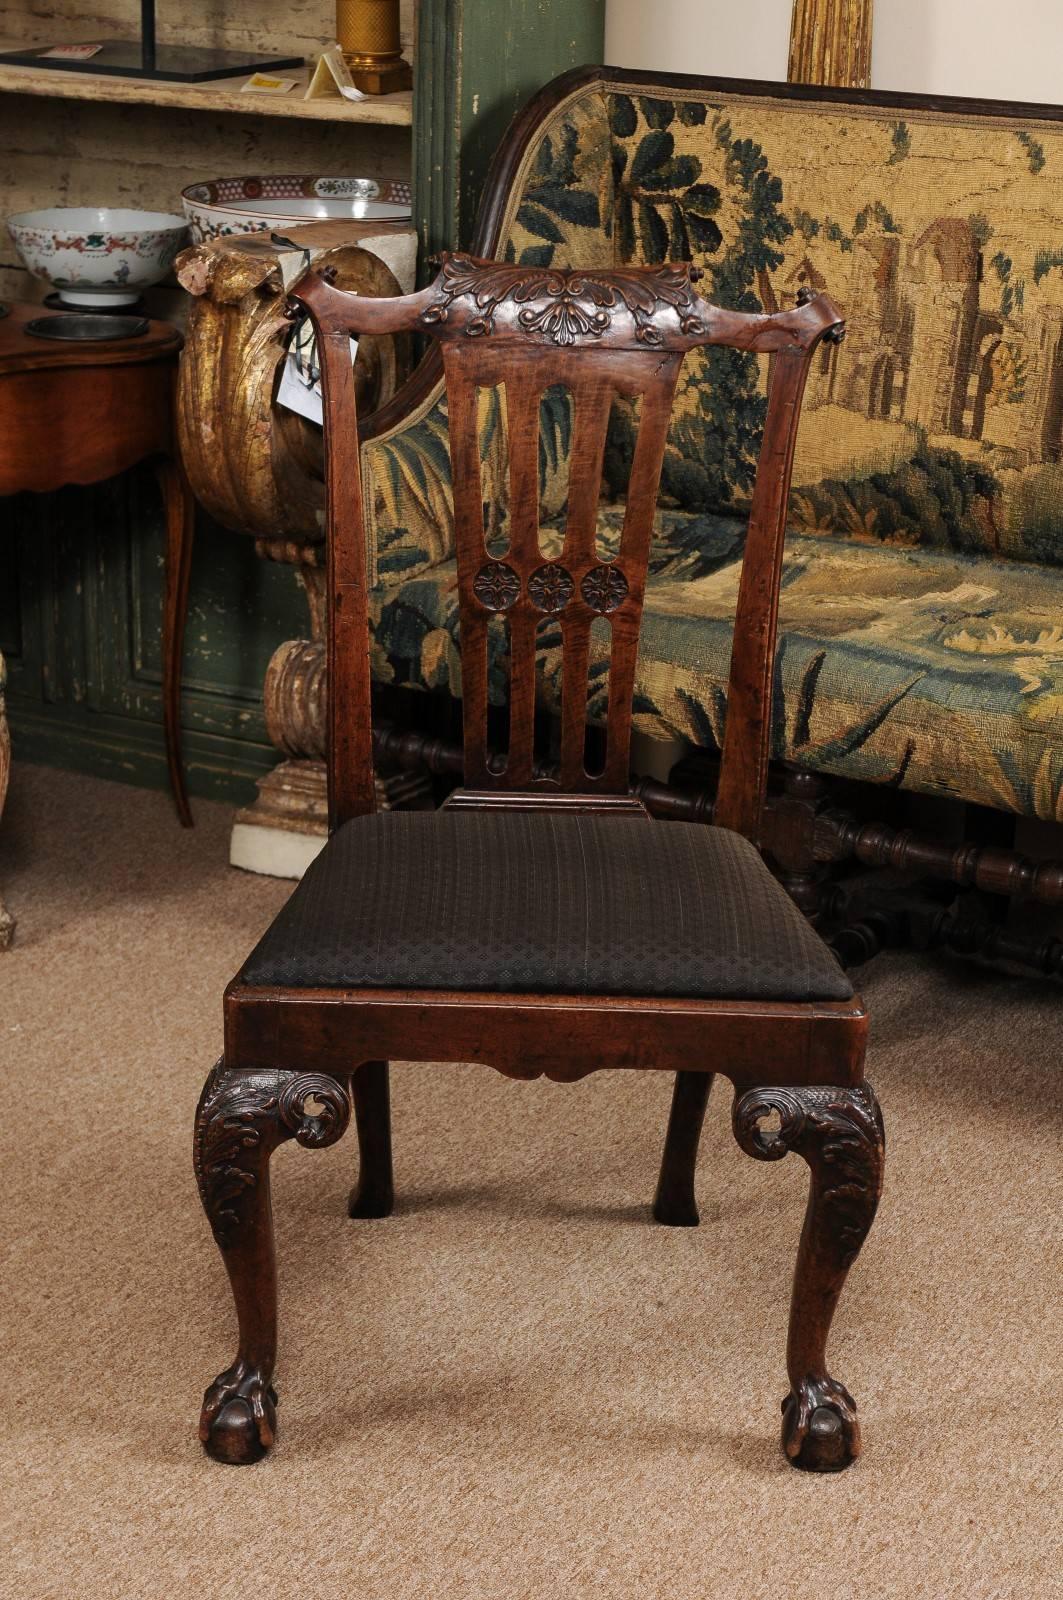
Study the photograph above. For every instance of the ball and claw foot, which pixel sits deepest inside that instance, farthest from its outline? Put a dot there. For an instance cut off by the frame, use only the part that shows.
(820, 1429)
(238, 1423)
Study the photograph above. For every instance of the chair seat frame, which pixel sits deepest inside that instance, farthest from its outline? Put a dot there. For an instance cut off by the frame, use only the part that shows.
(298, 1061)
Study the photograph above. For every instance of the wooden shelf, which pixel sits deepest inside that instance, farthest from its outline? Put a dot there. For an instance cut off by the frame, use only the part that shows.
(390, 110)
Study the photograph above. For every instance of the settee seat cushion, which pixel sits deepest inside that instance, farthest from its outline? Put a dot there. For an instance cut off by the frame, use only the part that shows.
(904, 666)
(534, 902)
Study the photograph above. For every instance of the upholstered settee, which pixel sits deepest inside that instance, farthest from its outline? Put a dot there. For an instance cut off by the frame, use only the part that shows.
(921, 631)
(921, 641)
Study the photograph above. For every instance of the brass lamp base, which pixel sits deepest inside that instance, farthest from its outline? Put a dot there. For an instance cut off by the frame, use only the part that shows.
(374, 76)
(369, 36)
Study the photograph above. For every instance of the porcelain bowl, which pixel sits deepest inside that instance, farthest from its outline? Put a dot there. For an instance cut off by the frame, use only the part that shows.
(227, 206)
(98, 255)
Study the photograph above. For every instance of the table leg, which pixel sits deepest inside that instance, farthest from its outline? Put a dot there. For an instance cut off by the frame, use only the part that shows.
(180, 523)
(7, 921)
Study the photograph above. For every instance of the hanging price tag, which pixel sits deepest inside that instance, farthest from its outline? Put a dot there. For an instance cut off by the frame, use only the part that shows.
(300, 387)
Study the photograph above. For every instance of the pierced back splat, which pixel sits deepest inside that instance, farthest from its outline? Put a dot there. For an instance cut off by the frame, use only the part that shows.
(600, 334)
(575, 589)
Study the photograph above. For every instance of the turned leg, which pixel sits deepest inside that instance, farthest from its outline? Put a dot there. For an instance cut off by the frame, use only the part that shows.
(790, 838)
(839, 1133)
(242, 1117)
(180, 524)
(674, 1203)
(374, 1193)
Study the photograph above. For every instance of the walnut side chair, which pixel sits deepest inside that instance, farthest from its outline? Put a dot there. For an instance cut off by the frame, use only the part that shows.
(544, 924)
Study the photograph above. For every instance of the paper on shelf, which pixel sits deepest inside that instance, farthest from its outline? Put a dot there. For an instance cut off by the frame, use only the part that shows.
(71, 52)
(331, 76)
(262, 83)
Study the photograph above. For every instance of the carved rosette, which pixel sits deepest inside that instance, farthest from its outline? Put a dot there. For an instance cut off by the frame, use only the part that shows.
(551, 587)
(496, 586)
(564, 306)
(604, 588)
(839, 1133)
(243, 1116)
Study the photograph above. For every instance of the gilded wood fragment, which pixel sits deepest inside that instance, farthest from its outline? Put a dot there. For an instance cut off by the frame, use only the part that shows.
(830, 43)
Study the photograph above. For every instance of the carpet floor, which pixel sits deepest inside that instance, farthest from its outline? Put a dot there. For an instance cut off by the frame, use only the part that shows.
(516, 1386)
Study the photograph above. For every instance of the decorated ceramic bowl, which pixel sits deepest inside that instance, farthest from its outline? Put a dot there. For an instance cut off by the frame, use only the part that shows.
(228, 206)
(96, 255)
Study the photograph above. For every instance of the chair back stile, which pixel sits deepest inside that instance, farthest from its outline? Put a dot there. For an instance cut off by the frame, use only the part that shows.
(351, 779)
(600, 335)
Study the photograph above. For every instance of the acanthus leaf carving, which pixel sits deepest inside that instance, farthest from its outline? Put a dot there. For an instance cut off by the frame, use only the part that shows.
(243, 1116)
(565, 305)
(839, 1133)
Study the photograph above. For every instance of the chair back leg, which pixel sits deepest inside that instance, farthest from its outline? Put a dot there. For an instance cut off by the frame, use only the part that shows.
(374, 1193)
(675, 1204)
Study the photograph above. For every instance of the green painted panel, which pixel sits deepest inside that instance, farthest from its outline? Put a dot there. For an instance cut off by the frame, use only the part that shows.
(80, 625)
(509, 52)
(477, 63)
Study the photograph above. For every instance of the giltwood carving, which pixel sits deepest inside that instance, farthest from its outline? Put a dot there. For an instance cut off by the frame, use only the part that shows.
(258, 469)
(830, 43)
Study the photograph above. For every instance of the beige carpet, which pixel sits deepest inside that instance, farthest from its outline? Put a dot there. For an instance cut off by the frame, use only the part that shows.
(515, 1387)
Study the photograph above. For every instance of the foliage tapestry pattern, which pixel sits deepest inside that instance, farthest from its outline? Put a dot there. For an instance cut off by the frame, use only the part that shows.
(922, 626)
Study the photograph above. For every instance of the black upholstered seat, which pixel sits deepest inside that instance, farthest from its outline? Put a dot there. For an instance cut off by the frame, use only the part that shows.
(537, 902)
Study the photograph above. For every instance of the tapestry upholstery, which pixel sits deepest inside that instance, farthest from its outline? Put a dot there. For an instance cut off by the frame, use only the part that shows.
(416, 900)
(921, 624)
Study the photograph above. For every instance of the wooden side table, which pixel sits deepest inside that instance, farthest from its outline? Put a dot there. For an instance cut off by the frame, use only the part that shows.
(79, 413)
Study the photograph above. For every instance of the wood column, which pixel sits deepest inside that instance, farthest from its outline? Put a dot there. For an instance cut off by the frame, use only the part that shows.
(830, 43)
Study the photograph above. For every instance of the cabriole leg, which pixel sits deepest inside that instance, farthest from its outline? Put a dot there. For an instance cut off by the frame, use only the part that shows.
(242, 1117)
(374, 1193)
(838, 1132)
(674, 1203)
(180, 527)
